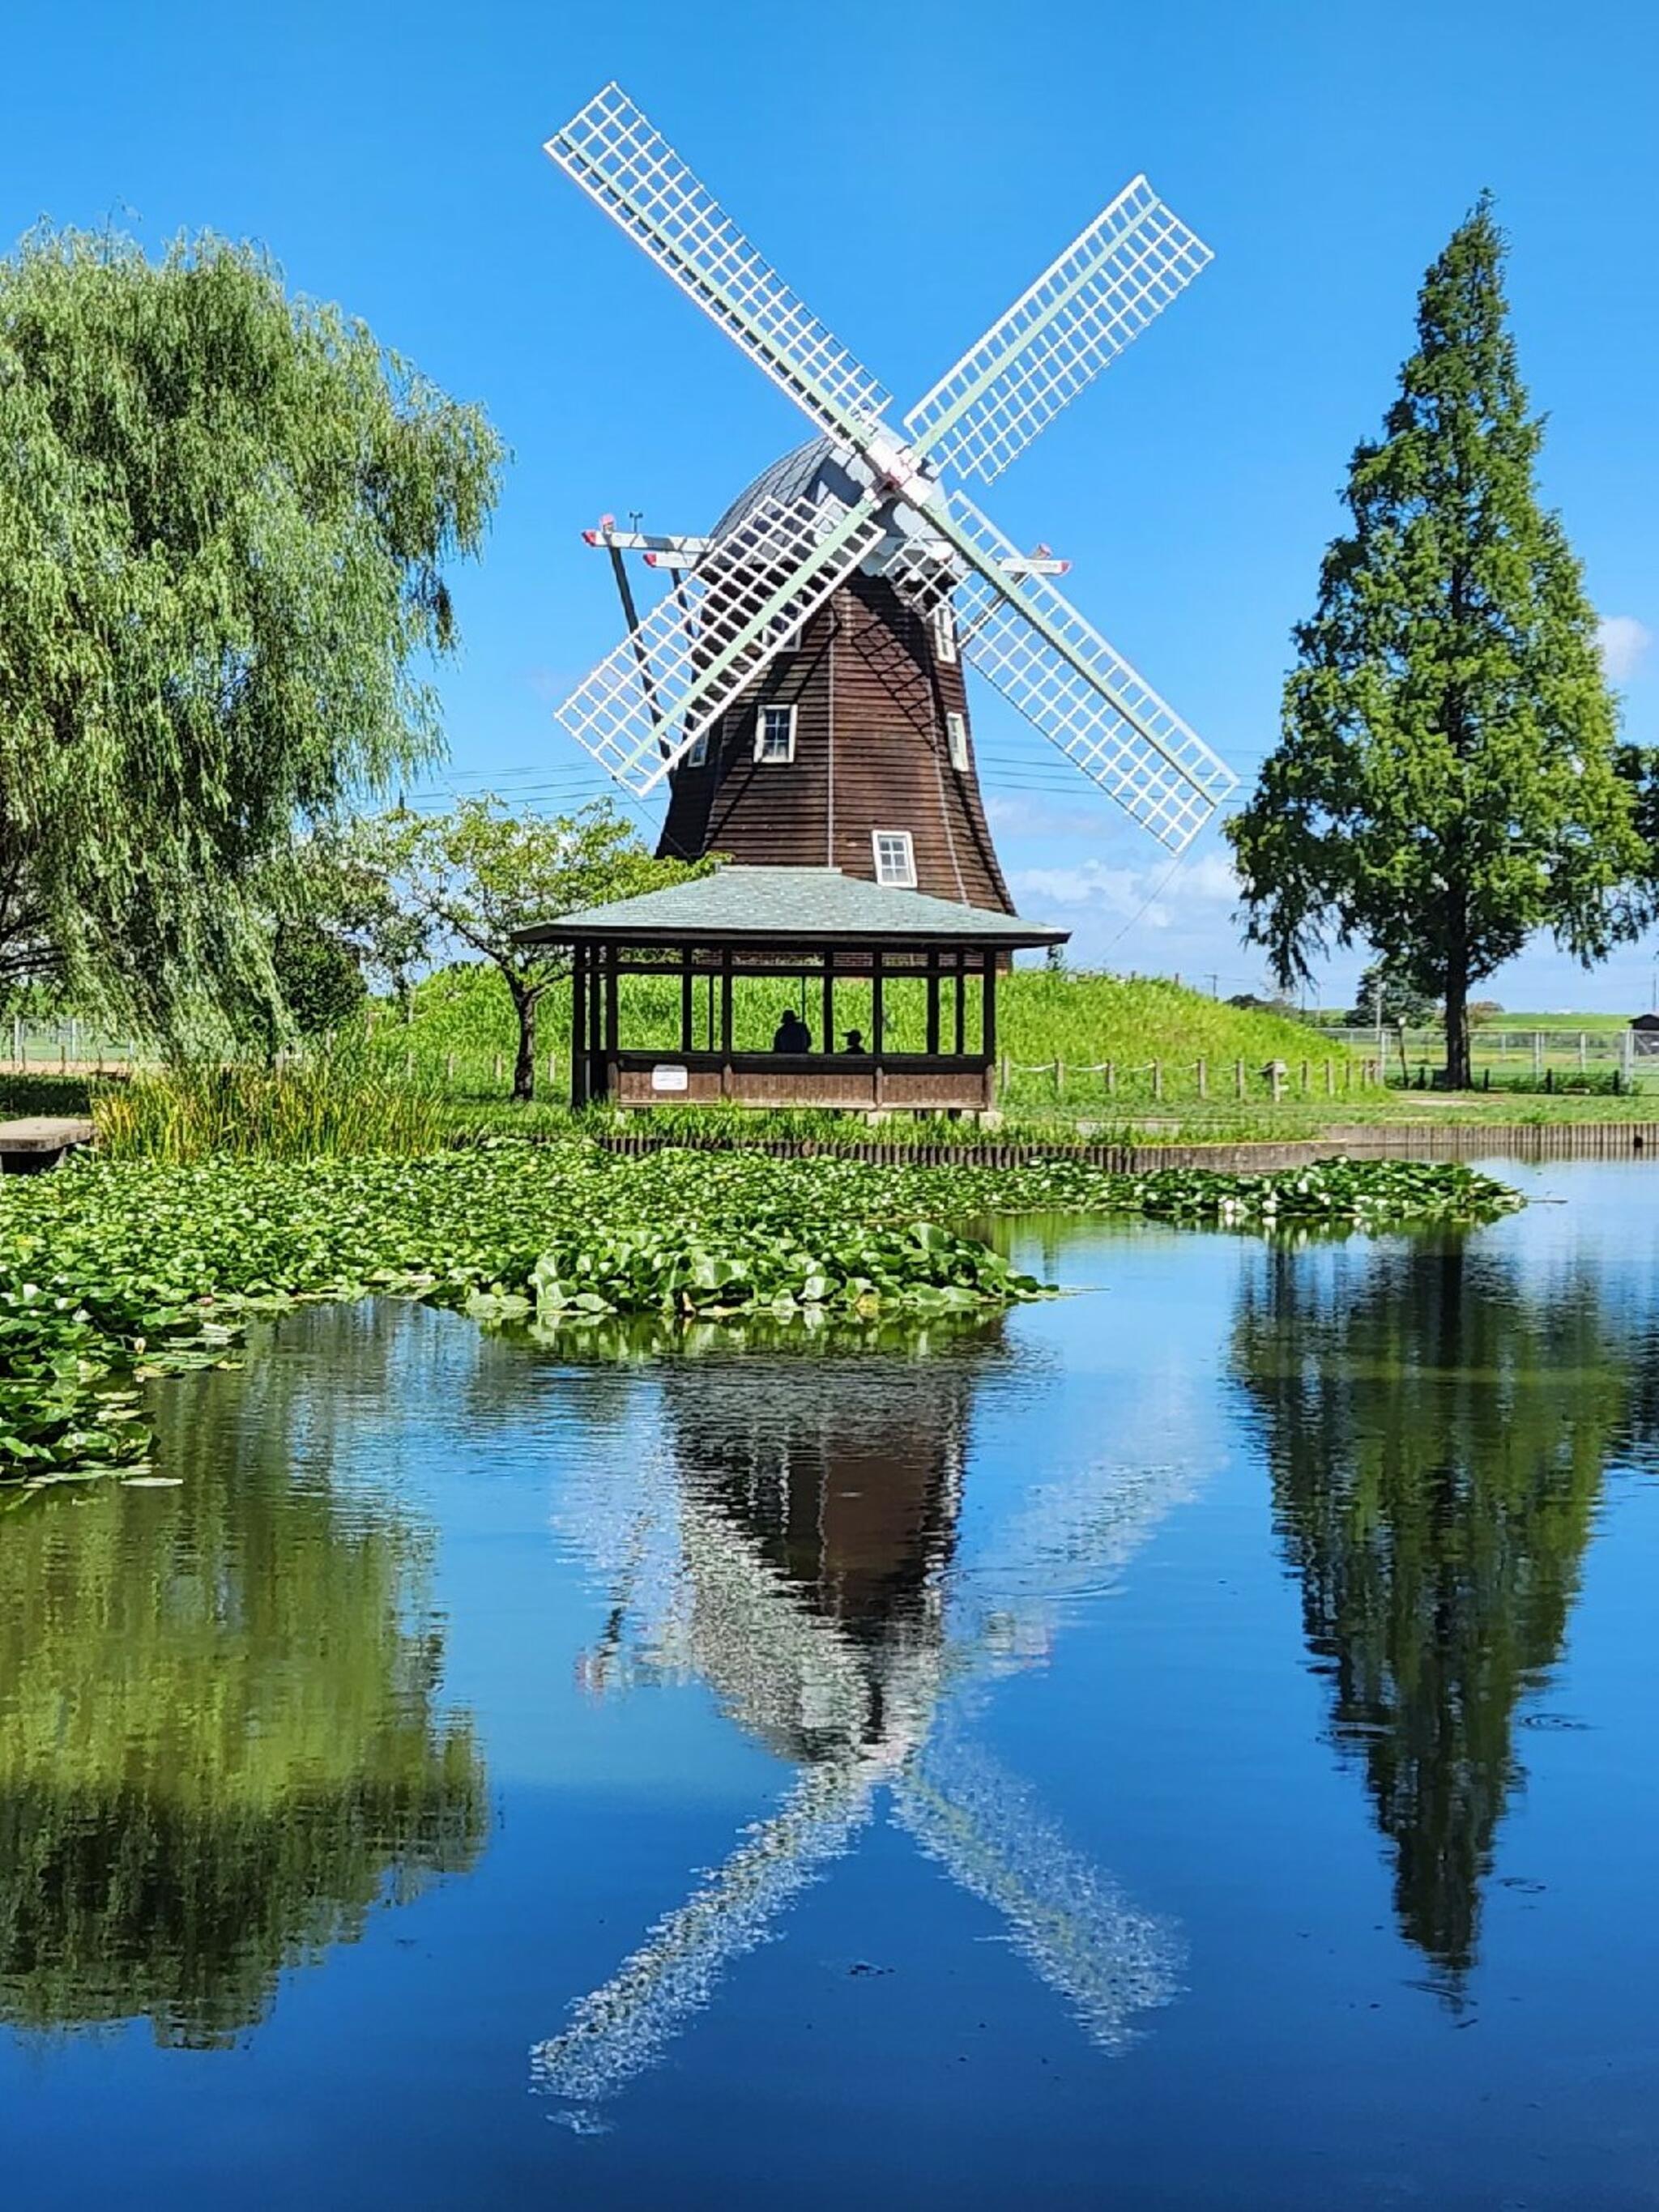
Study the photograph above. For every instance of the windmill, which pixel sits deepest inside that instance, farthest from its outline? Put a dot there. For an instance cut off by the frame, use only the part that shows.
(800, 685)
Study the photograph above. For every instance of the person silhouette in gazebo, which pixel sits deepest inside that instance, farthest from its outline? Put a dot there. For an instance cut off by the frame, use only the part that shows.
(792, 1033)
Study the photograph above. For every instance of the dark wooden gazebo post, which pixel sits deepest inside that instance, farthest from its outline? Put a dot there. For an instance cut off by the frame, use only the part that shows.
(933, 1001)
(578, 1024)
(828, 1040)
(612, 1022)
(988, 1023)
(726, 1020)
(961, 1002)
(595, 1024)
(686, 985)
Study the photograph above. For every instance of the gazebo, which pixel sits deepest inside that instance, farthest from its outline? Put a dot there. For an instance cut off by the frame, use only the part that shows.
(813, 927)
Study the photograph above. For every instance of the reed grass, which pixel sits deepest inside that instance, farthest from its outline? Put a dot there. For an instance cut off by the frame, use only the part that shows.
(336, 1105)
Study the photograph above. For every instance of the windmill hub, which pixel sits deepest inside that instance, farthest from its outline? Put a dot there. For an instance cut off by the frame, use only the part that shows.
(799, 684)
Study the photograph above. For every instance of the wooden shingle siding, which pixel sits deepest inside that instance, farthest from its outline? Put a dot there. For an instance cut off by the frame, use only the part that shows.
(870, 753)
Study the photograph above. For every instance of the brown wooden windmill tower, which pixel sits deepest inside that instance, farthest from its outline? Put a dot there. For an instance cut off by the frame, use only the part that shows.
(800, 684)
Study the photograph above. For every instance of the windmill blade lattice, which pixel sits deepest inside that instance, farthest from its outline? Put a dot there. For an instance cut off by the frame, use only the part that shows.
(1024, 635)
(652, 696)
(1087, 306)
(619, 160)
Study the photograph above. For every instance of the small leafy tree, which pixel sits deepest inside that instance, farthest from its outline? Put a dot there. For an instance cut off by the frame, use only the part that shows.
(226, 520)
(322, 985)
(1447, 781)
(471, 878)
(1403, 1006)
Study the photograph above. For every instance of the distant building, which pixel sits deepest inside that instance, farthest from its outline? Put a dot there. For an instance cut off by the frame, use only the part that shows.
(1644, 1036)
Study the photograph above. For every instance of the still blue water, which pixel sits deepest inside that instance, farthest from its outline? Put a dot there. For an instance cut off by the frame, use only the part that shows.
(1189, 1743)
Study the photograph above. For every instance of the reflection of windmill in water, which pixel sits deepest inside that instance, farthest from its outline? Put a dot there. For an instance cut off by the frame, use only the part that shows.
(802, 1555)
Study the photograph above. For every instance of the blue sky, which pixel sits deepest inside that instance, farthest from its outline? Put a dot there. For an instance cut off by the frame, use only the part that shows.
(909, 171)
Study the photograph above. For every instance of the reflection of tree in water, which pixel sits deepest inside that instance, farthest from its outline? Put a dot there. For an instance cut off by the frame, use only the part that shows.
(220, 1743)
(1437, 1432)
(794, 1550)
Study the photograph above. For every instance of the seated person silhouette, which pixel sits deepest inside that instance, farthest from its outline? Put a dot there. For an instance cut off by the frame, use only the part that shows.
(854, 1041)
(792, 1033)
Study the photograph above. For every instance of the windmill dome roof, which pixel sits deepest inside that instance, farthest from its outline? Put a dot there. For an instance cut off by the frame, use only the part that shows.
(813, 467)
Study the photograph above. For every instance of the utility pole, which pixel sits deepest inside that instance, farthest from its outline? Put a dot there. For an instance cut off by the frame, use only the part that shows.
(1215, 986)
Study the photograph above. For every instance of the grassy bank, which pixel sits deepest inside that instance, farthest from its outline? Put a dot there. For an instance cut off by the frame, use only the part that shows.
(1095, 1043)
(113, 1272)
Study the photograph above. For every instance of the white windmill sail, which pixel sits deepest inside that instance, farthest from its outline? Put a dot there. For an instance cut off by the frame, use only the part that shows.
(653, 695)
(1091, 301)
(1023, 633)
(616, 155)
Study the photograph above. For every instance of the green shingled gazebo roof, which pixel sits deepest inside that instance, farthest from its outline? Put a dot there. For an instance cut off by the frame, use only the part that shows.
(789, 906)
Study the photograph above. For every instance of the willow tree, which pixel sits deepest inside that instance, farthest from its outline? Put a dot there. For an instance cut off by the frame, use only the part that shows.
(225, 519)
(1447, 780)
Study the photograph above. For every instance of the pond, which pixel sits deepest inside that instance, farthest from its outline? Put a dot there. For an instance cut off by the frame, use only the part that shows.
(1189, 1743)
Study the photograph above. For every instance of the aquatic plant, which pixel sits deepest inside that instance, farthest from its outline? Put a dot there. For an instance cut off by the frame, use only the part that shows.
(113, 1271)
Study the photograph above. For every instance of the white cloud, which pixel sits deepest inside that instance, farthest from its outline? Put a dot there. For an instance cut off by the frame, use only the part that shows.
(1015, 815)
(1155, 896)
(1623, 643)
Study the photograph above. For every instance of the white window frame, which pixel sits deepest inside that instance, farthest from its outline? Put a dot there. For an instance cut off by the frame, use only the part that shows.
(763, 751)
(907, 882)
(955, 739)
(945, 634)
(783, 632)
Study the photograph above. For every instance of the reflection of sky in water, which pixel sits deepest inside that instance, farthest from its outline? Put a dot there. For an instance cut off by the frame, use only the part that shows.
(1196, 1739)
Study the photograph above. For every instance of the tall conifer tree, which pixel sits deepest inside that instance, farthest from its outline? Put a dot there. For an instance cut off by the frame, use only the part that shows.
(1446, 782)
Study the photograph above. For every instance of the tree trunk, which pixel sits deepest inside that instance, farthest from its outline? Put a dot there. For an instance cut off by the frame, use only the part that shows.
(1457, 1027)
(523, 1068)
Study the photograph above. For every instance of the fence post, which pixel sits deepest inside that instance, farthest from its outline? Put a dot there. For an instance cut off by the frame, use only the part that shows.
(449, 1067)
(1157, 1078)
(17, 1042)
(1330, 1078)
(1111, 1079)
(1238, 1078)
(1060, 1078)
(1304, 1078)
(1537, 1053)
(1203, 1078)
(1627, 1057)
(1002, 1092)
(1583, 1061)
(498, 1067)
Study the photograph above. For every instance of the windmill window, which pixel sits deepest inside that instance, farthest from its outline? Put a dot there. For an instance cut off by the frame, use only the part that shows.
(774, 733)
(945, 633)
(783, 632)
(895, 859)
(698, 751)
(955, 739)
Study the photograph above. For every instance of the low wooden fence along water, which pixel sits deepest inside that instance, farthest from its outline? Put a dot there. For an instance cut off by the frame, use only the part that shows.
(1528, 1142)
